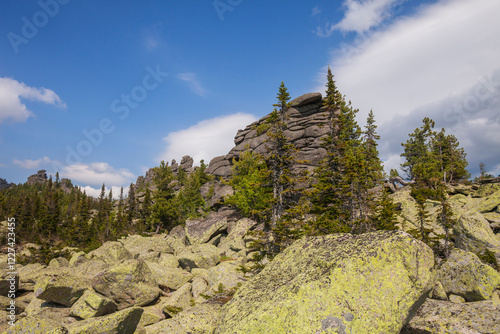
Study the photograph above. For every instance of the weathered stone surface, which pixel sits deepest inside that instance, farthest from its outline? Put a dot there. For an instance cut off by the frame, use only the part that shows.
(179, 233)
(200, 319)
(122, 322)
(370, 283)
(89, 268)
(441, 317)
(179, 301)
(33, 325)
(438, 292)
(151, 315)
(234, 242)
(199, 286)
(306, 99)
(58, 262)
(171, 278)
(62, 289)
(77, 258)
(225, 276)
(199, 256)
(199, 231)
(486, 190)
(463, 274)
(48, 310)
(140, 246)
(457, 299)
(490, 203)
(474, 234)
(128, 283)
(110, 252)
(92, 304)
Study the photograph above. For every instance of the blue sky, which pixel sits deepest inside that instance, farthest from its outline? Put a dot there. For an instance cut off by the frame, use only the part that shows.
(103, 90)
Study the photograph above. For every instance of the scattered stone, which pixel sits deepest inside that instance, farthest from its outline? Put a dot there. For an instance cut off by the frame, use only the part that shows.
(92, 304)
(225, 276)
(199, 256)
(168, 277)
(179, 301)
(441, 317)
(128, 283)
(62, 289)
(201, 318)
(199, 231)
(463, 274)
(77, 258)
(456, 299)
(438, 292)
(140, 246)
(490, 203)
(58, 262)
(122, 322)
(32, 325)
(110, 252)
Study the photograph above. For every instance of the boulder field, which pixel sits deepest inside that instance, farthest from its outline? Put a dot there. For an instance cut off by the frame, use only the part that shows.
(196, 279)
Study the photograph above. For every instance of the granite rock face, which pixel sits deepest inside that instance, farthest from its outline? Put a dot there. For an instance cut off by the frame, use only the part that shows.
(307, 125)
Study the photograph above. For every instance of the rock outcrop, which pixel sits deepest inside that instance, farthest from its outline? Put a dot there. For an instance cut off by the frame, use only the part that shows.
(307, 125)
(39, 177)
(4, 184)
(371, 283)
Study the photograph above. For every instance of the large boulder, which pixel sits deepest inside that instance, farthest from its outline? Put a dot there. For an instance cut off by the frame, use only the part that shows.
(234, 242)
(8, 282)
(171, 278)
(200, 319)
(128, 283)
(441, 317)
(110, 252)
(463, 274)
(473, 233)
(199, 231)
(199, 256)
(62, 289)
(342, 283)
(490, 203)
(122, 322)
(140, 246)
(33, 325)
(179, 301)
(92, 304)
(225, 276)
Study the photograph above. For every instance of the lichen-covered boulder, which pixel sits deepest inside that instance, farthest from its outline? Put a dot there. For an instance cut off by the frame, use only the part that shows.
(234, 242)
(128, 283)
(441, 317)
(199, 231)
(225, 276)
(43, 309)
(474, 234)
(110, 252)
(200, 319)
(77, 258)
(199, 286)
(140, 246)
(62, 289)
(486, 189)
(463, 274)
(199, 256)
(438, 292)
(179, 301)
(172, 278)
(342, 283)
(58, 262)
(33, 325)
(490, 203)
(122, 322)
(151, 315)
(92, 304)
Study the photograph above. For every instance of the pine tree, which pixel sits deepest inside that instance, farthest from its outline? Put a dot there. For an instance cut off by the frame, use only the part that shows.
(165, 209)
(131, 204)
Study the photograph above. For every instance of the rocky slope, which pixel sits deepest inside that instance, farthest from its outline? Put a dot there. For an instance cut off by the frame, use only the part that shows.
(190, 281)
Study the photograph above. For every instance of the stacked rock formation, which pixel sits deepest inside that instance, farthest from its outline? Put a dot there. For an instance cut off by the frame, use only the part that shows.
(307, 125)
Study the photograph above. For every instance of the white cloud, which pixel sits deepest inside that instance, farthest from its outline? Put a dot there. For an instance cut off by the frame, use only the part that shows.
(207, 139)
(2, 165)
(441, 62)
(31, 164)
(97, 173)
(360, 16)
(194, 84)
(96, 192)
(11, 93)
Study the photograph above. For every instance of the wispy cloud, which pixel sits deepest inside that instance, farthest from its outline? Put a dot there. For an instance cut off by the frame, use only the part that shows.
(442, 63)
(193, 83)
(207, 139)
(96, 192)
(315, 11)
(11, 93)
(360, 16)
